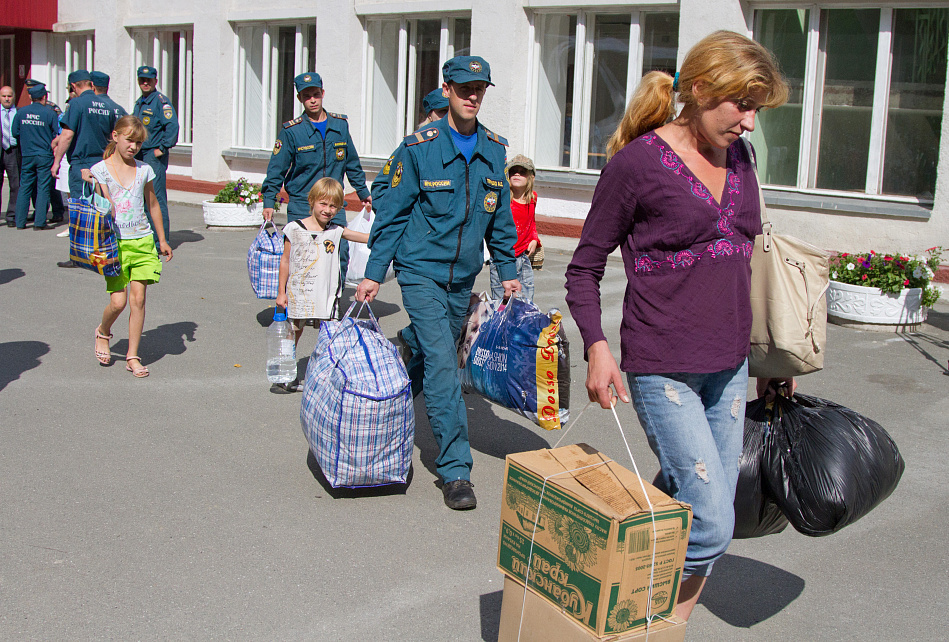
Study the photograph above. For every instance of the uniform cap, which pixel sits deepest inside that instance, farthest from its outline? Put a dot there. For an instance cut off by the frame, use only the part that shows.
(434, 100)
(37, 91)
(31, 82)
(100, 79)
(462, 69)
(147, 72)
(520, 161)
(307, 79)
(80, 75)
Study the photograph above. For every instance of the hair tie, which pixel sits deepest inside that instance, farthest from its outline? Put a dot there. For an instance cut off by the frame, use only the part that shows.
(675, 82)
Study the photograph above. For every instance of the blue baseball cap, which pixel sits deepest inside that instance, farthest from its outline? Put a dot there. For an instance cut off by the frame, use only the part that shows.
(99, 79)
(37, 91)
(147, 72)
(80, 75)
(434, 100)
(463, 69)
(307, 79)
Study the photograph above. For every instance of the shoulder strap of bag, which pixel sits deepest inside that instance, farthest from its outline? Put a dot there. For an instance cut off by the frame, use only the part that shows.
(765, 223)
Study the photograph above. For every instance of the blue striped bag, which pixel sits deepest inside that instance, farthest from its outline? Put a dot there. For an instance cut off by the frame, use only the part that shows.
(92, 241)
(263, 261)
(357, 412)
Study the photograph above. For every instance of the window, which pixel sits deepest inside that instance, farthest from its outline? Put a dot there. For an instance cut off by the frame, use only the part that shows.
(589, 85)
(405, 59)
(269, 57)
(170, 52)
(867, 91)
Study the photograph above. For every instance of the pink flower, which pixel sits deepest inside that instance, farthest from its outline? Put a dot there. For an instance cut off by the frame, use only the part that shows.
(864, 277)
(906, 282)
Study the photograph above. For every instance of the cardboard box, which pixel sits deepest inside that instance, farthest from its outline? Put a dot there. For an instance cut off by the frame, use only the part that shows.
(591, 552)
(543, 622)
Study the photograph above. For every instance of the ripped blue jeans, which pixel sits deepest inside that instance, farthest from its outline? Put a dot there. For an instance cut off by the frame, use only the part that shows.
(695, 424)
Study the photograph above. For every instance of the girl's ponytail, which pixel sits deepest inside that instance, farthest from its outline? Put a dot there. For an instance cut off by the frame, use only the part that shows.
(109, 149)
(651, 106)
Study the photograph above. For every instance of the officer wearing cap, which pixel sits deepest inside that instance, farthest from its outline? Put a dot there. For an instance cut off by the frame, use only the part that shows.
(448, 195)
(87, 128)
(55, 199)
(434, 106)
(100, 84)
(313, 145)
(35, 126)
(157, 113)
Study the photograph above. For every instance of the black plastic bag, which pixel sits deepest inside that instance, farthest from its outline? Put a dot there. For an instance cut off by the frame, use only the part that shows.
(825, 465)
(756, 514)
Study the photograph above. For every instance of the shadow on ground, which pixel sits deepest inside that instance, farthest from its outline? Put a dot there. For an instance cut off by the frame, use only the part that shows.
(168, 339)
(744, 592)
(355, 493)
(920, 341)
(490, 615)
(16, 357)
(180, 237)
(10, 274)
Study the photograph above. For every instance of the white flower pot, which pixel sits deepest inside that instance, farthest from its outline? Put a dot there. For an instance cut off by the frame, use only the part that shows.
(867, 308)
(233, 214)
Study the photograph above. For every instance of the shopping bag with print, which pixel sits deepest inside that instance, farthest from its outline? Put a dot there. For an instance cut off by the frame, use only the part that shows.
(263, 261)
(92, 241)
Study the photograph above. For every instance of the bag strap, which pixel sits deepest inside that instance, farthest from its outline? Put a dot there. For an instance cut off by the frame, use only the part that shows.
(765, 223)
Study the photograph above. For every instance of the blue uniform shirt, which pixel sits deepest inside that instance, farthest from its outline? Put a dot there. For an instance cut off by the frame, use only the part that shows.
(439, 208)
(116, 107)
(301, 156)
(91, 120)
(35, 126)
(156, 111)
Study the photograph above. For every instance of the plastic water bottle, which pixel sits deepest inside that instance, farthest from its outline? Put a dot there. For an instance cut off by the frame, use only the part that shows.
(281, 350)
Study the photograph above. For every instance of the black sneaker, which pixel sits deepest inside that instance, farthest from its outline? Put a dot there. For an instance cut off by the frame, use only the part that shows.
(66, 264)
(459, 495)
(404, 350)
(289, 387)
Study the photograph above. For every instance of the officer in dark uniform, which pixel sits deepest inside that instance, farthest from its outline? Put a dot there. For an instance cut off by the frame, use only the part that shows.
(435, 106)
(156, 111)
(35, 126)
(309, 147)
(55, 198)
(100, 83)
(448, 195)
(87, 128)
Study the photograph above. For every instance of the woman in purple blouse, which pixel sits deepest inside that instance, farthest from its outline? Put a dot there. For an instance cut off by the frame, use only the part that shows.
(679, 197)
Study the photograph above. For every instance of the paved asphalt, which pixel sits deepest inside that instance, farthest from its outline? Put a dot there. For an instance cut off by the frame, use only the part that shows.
(184, 506)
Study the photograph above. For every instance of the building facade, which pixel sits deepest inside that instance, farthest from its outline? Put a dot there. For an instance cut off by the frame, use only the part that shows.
(856, 160)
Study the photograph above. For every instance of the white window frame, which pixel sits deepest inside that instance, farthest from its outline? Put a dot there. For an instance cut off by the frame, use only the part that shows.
(269, 67)
(160, 58)
(406, 82)
(815, 60)
(582, 83)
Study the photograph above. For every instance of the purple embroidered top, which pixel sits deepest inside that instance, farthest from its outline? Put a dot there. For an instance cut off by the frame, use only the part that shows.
(687, 259)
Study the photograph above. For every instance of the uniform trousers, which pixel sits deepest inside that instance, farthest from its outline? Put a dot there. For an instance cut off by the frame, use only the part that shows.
(437, 314)
(160, 165)
(10, 165)
(35, 182)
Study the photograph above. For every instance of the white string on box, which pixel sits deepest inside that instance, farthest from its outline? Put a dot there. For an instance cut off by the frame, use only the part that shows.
(652, 513)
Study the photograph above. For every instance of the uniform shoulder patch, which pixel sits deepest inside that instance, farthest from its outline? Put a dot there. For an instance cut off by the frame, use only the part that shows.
(295, 121)
(497, 139)
(340, 116)
(421, 136)
(163, 98)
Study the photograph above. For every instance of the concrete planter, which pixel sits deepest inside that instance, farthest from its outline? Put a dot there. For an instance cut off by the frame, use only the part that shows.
(233, 214)
(866, 308)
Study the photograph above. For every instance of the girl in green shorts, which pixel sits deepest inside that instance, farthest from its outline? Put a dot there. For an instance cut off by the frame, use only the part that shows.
(127, 183)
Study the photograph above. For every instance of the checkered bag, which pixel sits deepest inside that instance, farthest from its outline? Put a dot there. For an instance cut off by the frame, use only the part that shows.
(92, 241)
(357, 413)
(263, 261)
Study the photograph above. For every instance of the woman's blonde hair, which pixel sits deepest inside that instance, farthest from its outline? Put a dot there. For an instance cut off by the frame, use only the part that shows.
(529, 188)
(328, 188)
(130, 127)
(729, 64)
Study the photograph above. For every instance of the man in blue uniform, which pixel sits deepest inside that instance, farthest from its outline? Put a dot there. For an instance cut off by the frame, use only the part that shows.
(309, 147)
(435, 106)
(87, 128)
(448, 195)
(55, 199)
(100, 84)
(35, 127)
(156, 111)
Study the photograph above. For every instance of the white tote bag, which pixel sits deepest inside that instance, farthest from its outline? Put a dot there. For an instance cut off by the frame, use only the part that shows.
(359, 252)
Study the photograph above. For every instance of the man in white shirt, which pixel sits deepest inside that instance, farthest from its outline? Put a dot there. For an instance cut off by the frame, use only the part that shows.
(9, 152)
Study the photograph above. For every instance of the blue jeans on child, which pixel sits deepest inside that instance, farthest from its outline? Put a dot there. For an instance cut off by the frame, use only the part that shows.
(695, 425)
(525, 274)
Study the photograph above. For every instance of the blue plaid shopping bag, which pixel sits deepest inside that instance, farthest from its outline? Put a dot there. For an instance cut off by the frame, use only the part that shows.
(263, 261)
(92, 241)
(357, 412)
